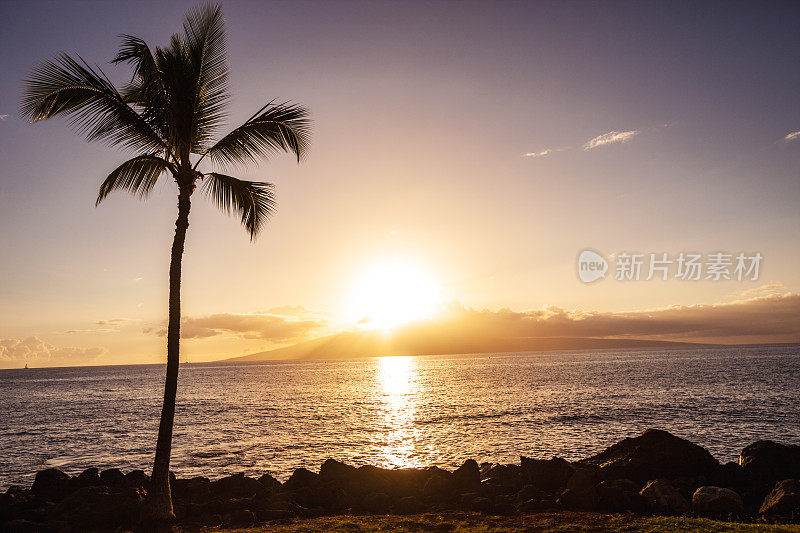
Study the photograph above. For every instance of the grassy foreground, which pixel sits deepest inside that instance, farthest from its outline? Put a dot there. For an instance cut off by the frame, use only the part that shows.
(477, 523)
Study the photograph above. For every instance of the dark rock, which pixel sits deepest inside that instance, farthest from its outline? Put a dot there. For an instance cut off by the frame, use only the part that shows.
(664, 499)
(409, 505)
(527, 493)
(547, 475)
(619, 495)
(137, 479)
(376, 502)
(239, 518)
(654, 454)
(467, 476)
(509, 477)
(783, 500)
(764, 463)
(580, 492)
(112, 478)
(440, 487)
(269, 484)
(51, 484)
(88, 478)
(101, 507)
(717, 502)
(302, 478)
(502, 504)
(729, 475)
(234, 486)
(196, 490)
(477, 504)
(336, 472)
(16, 503)
(20, 526)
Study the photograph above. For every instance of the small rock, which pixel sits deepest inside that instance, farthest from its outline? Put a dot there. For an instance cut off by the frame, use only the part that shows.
(376, 502)
(137, 479)
(783, 500)
(619, 495)
(662, 498)
(717, 502)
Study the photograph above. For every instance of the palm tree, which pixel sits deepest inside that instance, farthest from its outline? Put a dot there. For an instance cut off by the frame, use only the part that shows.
(169, 113)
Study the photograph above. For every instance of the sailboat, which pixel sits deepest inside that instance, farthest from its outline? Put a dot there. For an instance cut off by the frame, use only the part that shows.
(26, 366)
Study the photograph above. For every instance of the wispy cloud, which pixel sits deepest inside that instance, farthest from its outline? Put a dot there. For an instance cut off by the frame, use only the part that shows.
(610, 138)
(546, 151)
(268, 326)
(792, 136)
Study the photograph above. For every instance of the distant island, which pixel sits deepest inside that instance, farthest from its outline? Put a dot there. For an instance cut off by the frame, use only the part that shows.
(376, 343)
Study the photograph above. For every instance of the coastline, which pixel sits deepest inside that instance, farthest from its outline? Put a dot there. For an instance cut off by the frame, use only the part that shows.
(651, 475)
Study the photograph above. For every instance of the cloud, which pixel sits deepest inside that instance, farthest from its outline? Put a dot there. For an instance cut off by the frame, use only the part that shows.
(765, 318)
(610, 138)
(266, 326)
(3, 117)
(103, 326)
(546, 151)
(792, 136)
(36, 352)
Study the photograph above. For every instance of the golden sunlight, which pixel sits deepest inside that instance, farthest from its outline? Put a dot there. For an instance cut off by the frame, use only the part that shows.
(392, 293)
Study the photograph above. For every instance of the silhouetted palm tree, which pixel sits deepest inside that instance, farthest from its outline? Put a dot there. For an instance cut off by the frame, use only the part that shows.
(169, 113)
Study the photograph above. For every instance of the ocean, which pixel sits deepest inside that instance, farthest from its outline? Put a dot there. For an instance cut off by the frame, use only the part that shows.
(395, 411)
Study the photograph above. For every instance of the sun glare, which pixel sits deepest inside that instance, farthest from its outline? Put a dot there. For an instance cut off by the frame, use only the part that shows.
(392, 293)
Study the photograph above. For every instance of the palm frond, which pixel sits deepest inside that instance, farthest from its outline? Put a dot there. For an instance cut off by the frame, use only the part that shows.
(274, 128)
(146, 90)
(252, 200)
(205, 47)
(137, 176)
(66, 86)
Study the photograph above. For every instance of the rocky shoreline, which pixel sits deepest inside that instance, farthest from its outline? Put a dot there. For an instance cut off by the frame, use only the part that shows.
(655, 473)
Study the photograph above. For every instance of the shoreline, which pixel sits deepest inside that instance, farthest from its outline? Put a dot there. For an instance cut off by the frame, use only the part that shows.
(653, 474)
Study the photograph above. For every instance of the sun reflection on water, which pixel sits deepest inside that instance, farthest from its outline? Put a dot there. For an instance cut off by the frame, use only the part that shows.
(397, 377)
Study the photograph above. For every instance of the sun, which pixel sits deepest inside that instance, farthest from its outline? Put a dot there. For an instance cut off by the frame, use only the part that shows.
(394, 292)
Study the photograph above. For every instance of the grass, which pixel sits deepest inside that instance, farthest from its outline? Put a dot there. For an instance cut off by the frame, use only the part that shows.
(477, 523)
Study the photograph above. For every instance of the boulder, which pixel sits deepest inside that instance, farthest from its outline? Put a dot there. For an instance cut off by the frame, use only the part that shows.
(234, 486)
(113, 477)
(783, 500)
(717, 502)
(269, 484)
(467, 477)
(507, 477)
(376, 502)
(196, 490)
(547, 475)
(409, 505)
(51, 484)
(663, 498)
(137, 479)
(302, 478)
(101, 507)
(87, 478)
(440, 487)
(652, 455)
(580, 492)
(764, 463)
(620, 495)
(241, 518)
(477, 504)
(340, 473)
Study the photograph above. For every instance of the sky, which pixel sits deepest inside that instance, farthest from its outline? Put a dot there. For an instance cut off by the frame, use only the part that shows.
(485, 144)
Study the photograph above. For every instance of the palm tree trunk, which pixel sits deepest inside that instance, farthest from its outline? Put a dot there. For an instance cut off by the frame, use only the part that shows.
(160, 495)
